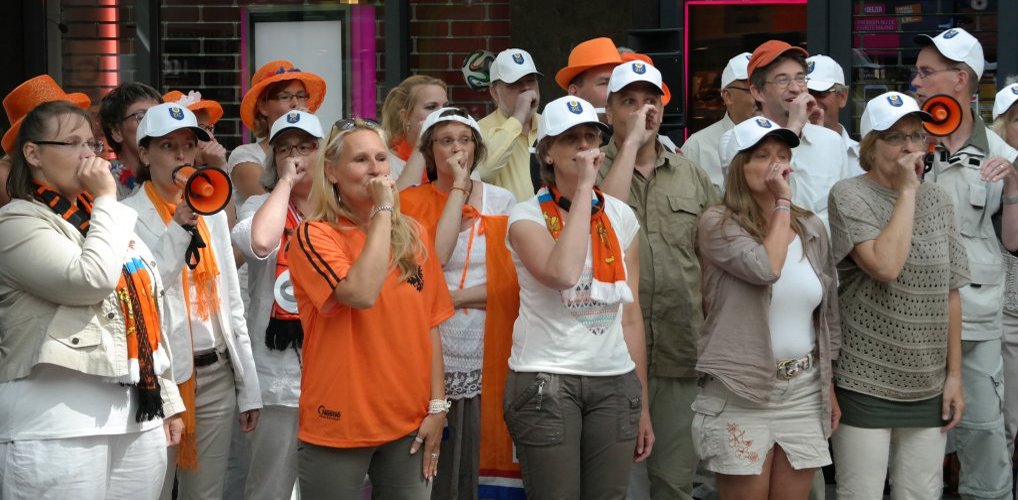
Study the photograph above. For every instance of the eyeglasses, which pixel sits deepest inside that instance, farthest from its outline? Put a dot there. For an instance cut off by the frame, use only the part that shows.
(925, 73)
(899, 138)
(302, 97)
(447, 142)
(783, 81)
(208, 127)
(137, 116)
(92, 145)
(820, 94)
(303, 149)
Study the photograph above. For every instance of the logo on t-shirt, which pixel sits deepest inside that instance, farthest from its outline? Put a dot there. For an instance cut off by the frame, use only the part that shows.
(416, 279)
(326, 413)
(518, 58)
(895, 100)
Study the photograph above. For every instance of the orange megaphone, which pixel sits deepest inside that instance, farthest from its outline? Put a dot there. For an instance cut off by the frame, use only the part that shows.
(206, 190)
(946, 113)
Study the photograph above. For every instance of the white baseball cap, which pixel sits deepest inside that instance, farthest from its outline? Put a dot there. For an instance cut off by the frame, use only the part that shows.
(436, 117)
(296, 119)
(511, 65)
(1005, 99)
(565, 113)
(736, 69)
(884, 110)
(166, 118)
(749, 133)
(958, 45)
(822, 73)
(632, 72)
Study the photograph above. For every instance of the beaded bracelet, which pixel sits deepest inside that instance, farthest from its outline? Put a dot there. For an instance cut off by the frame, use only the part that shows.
(376, 210)
(439, 406)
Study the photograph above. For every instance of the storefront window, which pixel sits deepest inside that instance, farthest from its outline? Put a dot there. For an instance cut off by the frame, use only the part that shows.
(716, 31)
(884, 52)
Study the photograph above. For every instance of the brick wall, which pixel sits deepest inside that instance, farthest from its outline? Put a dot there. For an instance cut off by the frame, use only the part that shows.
(443, 33)
(200, 45)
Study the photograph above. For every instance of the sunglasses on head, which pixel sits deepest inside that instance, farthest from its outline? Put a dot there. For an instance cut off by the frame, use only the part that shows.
(356, 122)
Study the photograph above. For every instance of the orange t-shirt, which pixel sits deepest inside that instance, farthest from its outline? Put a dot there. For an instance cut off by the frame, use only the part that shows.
(366, 372)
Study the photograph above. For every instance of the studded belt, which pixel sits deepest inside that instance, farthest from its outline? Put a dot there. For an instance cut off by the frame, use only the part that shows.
(791, 368)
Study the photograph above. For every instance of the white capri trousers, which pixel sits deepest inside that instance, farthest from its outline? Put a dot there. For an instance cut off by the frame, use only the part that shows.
(915, 457)
(123, 466)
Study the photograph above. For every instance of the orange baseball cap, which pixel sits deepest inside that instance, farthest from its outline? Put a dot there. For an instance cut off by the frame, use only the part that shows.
(33, 92)
(592, 53)
(768, 51)
(666, 95)
(213, 108)
(278, 71)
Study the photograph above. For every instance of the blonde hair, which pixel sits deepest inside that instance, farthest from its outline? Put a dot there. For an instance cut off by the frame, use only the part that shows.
(405, 241)
(403, 97)
(742, 207)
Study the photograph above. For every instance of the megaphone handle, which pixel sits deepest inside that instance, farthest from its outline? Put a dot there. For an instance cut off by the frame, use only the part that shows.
(192, 256)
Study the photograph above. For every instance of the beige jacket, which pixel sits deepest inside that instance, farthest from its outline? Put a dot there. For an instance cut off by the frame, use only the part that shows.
(735, 343)
(57, 301)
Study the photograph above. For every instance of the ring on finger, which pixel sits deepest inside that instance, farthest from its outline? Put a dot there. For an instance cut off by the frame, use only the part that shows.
(434, 455)
(418, 439)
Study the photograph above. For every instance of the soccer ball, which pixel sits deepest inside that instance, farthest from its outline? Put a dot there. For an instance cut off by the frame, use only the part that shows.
(475, 69)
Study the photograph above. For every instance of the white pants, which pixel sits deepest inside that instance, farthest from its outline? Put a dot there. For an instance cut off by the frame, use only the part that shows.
(273, 469)
(215, 407)
(124, 466)
(916, 458)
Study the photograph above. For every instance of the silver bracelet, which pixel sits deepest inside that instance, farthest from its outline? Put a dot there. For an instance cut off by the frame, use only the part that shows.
(782, 208)
(1011, 200)
(439, 406)
(383, 208)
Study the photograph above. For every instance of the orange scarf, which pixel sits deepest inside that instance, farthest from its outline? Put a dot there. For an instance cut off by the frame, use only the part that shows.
(205, 275)
(609, 281)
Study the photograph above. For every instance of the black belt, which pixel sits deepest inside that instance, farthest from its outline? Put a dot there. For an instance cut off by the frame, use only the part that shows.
(205, 359)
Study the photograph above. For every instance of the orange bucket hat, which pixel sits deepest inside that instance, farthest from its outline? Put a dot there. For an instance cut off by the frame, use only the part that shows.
(195, 103)
(25, 97)
(279, 71)
(589, 54)
(666, 95)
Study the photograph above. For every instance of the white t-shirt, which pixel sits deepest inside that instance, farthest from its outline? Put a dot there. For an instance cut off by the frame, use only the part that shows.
(246, 153)
(580, 338)
(278, 371)
(794, 297)
(53, 402)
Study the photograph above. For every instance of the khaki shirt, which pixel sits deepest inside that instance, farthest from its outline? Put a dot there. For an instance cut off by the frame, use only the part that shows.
(667, 205)
(507, 163)
(976, 201)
